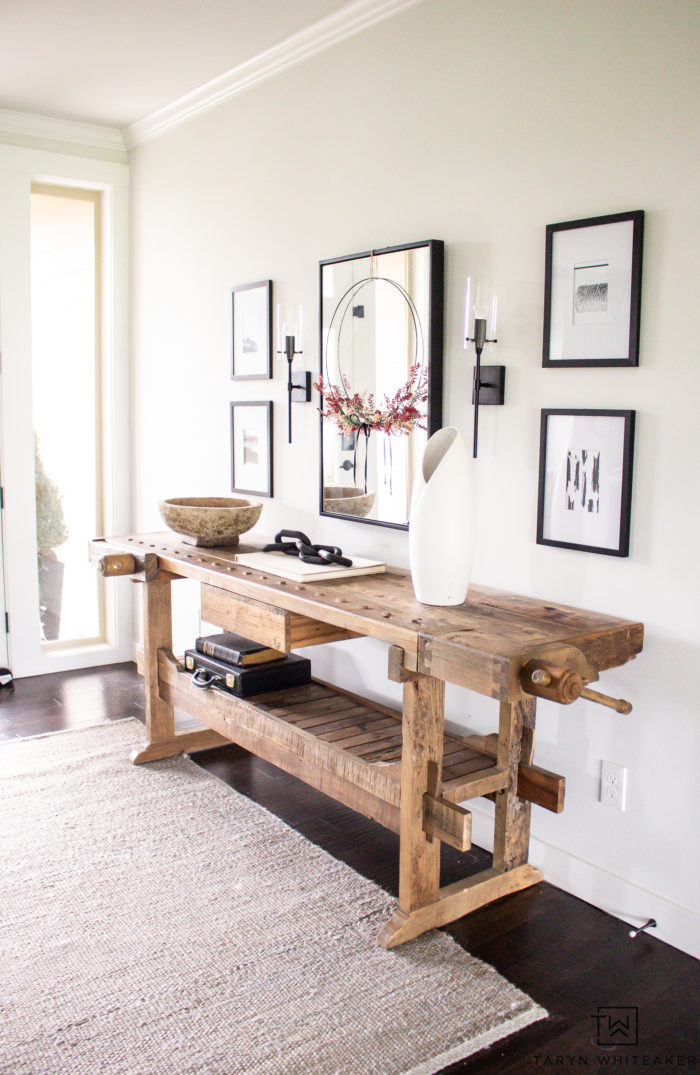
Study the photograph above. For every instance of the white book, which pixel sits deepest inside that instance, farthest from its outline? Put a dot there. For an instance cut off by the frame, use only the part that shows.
(291, 567)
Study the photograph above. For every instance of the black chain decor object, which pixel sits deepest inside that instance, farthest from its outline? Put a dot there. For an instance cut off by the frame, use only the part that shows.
(298, 544)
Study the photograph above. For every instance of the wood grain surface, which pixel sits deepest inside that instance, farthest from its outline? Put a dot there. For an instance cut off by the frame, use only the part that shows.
(481, 644)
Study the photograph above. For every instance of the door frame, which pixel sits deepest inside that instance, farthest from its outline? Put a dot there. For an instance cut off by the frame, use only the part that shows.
(4, 636)
(20, 167)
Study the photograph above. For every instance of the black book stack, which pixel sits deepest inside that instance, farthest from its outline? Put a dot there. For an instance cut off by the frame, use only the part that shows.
(243, 667)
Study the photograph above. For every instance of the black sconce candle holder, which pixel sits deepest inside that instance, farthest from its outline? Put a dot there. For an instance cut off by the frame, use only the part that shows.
(296, 392)
(489, 382)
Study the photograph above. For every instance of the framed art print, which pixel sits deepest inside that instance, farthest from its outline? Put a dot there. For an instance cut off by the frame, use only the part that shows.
(251, 447)
(251, 314)
(585, 483)
(592, 291)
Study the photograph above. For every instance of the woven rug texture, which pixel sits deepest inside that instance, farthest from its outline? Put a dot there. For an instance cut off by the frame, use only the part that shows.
(155, 922)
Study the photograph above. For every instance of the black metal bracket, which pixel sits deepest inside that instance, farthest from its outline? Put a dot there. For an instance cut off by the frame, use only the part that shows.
(301, 392)
(492, 389)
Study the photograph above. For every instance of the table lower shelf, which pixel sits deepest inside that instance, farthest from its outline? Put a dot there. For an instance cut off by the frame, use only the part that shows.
(346, 746)
(350, 749)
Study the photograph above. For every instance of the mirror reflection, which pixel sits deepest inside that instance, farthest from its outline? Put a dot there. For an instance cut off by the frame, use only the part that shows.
(381, 378)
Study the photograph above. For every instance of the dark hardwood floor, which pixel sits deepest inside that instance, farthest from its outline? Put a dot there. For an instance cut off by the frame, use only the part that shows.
(570, 957)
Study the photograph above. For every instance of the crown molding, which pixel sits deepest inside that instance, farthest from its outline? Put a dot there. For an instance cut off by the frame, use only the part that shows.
(350, 20)
(43, 129)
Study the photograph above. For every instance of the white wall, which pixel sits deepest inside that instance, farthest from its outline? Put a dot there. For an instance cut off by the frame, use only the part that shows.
(477, 122)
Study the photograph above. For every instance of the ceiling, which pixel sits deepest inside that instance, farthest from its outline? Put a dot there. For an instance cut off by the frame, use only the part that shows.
(115, 61)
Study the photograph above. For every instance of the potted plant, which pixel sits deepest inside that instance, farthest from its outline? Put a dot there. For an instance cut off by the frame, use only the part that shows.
(50, 533)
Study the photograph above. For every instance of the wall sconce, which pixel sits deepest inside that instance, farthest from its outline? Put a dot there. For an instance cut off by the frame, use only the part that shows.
(489, 382)
(289, 334)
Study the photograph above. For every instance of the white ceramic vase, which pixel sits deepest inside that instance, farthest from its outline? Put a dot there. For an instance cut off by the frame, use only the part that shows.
(441, 523)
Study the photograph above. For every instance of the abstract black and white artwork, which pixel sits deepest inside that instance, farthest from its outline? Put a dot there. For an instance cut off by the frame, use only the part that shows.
(251, 447)
(590, 305)
(251, 331)
(585, 481)
(593, 274)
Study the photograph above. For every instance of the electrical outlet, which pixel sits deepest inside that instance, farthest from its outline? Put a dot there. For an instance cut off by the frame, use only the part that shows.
(613, 785)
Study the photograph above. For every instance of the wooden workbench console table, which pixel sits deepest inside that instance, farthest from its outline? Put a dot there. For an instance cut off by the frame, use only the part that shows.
(401, 769)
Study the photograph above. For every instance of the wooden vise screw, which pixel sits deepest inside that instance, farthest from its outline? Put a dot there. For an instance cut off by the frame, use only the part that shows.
(117, 564)
(564, 685)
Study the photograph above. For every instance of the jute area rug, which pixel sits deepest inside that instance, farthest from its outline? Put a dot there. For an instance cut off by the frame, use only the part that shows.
(154, 922)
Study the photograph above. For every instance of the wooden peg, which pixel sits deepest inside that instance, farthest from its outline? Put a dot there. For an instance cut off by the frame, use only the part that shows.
(447, 821)
(116, 564)
(562, 685)
(397, 672)
(618, 704)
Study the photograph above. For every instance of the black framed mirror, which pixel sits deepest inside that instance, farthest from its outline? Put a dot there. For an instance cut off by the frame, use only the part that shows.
(381, 322)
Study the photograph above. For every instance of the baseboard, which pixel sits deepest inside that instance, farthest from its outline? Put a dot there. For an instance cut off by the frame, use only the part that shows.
(677, 926)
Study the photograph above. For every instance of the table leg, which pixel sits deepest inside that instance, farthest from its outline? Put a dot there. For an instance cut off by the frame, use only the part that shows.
(421, 772)
(512, 823)
(163, 740)
(422, 905)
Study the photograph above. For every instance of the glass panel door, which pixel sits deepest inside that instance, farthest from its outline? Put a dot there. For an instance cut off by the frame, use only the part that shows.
(66, 397)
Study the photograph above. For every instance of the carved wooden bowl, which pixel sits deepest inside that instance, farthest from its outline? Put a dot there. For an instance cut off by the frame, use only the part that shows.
(210, 521)
(347, 500)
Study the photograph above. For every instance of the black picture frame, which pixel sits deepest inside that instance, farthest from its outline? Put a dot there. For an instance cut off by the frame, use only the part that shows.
(610, 435)
(601, 312)
(251, 325)
(261, 427)
(434, 337)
